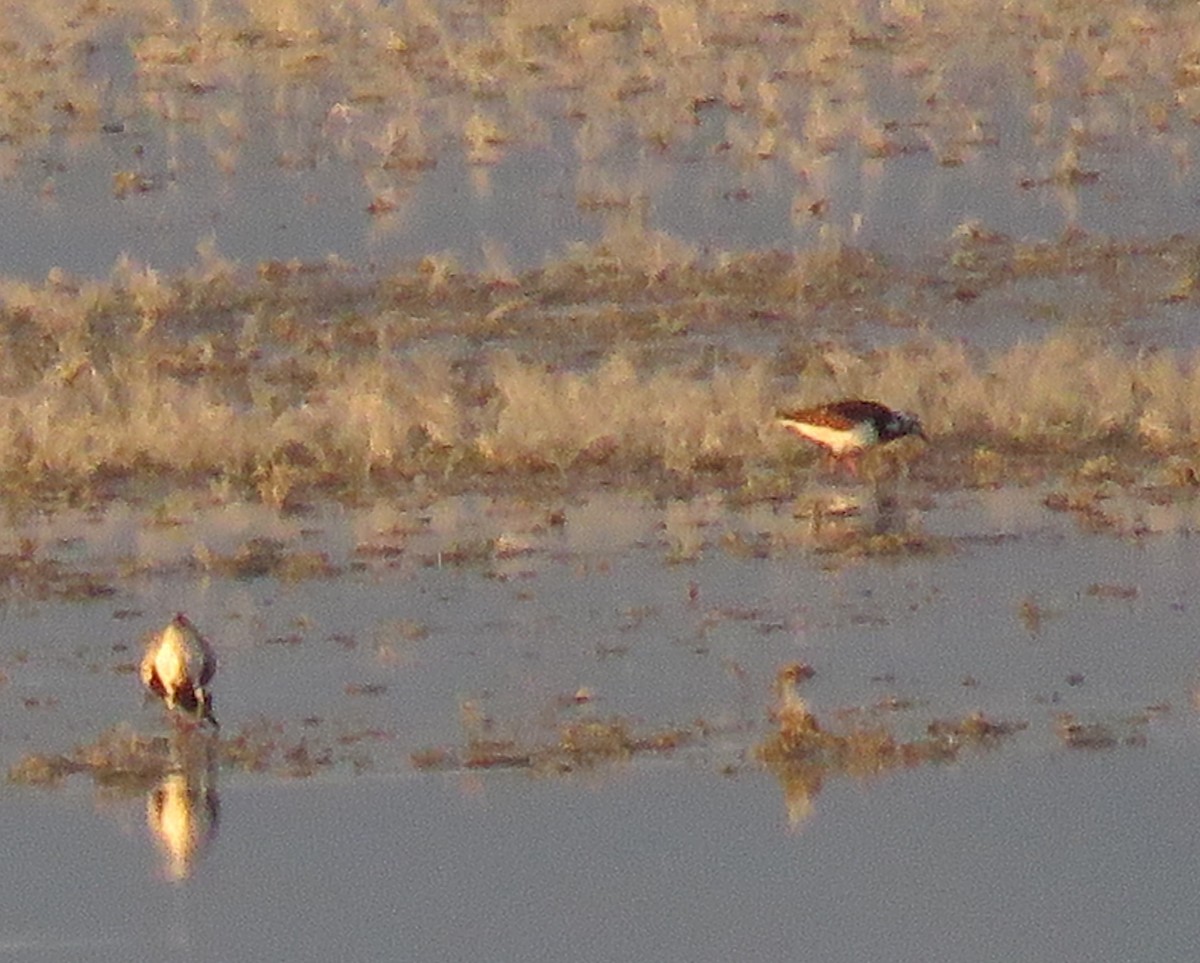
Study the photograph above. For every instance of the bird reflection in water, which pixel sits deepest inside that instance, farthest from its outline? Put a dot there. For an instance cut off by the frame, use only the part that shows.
(835, 518)
(183, 809)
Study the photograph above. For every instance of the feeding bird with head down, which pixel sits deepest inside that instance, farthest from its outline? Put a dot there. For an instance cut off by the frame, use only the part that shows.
(848, 428)
(178, 666)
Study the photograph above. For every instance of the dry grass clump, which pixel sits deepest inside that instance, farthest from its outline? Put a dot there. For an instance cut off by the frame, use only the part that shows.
(325, 381)
(670, 418)
(855, 543)
(118, 757)
(577, 745)
(260, 557)
(800, 740)
(269, 746)
(573, 743)
(802, 753)
(123, 758)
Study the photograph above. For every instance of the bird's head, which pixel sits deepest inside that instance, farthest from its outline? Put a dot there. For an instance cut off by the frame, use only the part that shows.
(906, 423)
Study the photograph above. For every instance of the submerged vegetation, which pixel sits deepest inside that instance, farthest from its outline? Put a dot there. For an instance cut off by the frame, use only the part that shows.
(123, 758)
(801, 751)
(392, 86)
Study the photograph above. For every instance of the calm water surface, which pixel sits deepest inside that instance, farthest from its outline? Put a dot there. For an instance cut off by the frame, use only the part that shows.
(1031, 850)
(1025, 856)
(528, 209)
(663, 614)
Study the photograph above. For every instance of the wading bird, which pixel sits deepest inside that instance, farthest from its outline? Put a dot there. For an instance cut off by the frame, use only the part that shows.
(177, 667)
(848, 428)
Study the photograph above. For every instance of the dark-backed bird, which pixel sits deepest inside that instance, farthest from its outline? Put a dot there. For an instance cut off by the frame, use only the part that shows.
(851, 426)
(178, 666)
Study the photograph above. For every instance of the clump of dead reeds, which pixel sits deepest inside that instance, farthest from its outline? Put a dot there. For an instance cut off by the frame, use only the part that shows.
(802, 753)
(313, 380)
(561, 744)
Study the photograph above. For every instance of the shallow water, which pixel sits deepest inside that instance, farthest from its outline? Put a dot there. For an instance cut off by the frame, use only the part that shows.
(663, 613)
(367, 652)
(1029, 848)
(904, 208)
(277, 136)
(1012, 857)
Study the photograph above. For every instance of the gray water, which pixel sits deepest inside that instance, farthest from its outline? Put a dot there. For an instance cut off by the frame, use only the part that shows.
(1026, 851)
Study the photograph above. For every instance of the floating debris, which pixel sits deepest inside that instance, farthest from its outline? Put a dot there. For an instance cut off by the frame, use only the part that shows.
(974, 729)
(1032, 614)
(1103, 590)
(365, 688)
(1075, 734)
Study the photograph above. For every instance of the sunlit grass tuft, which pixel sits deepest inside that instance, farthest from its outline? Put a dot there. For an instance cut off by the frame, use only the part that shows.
(625, 363)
